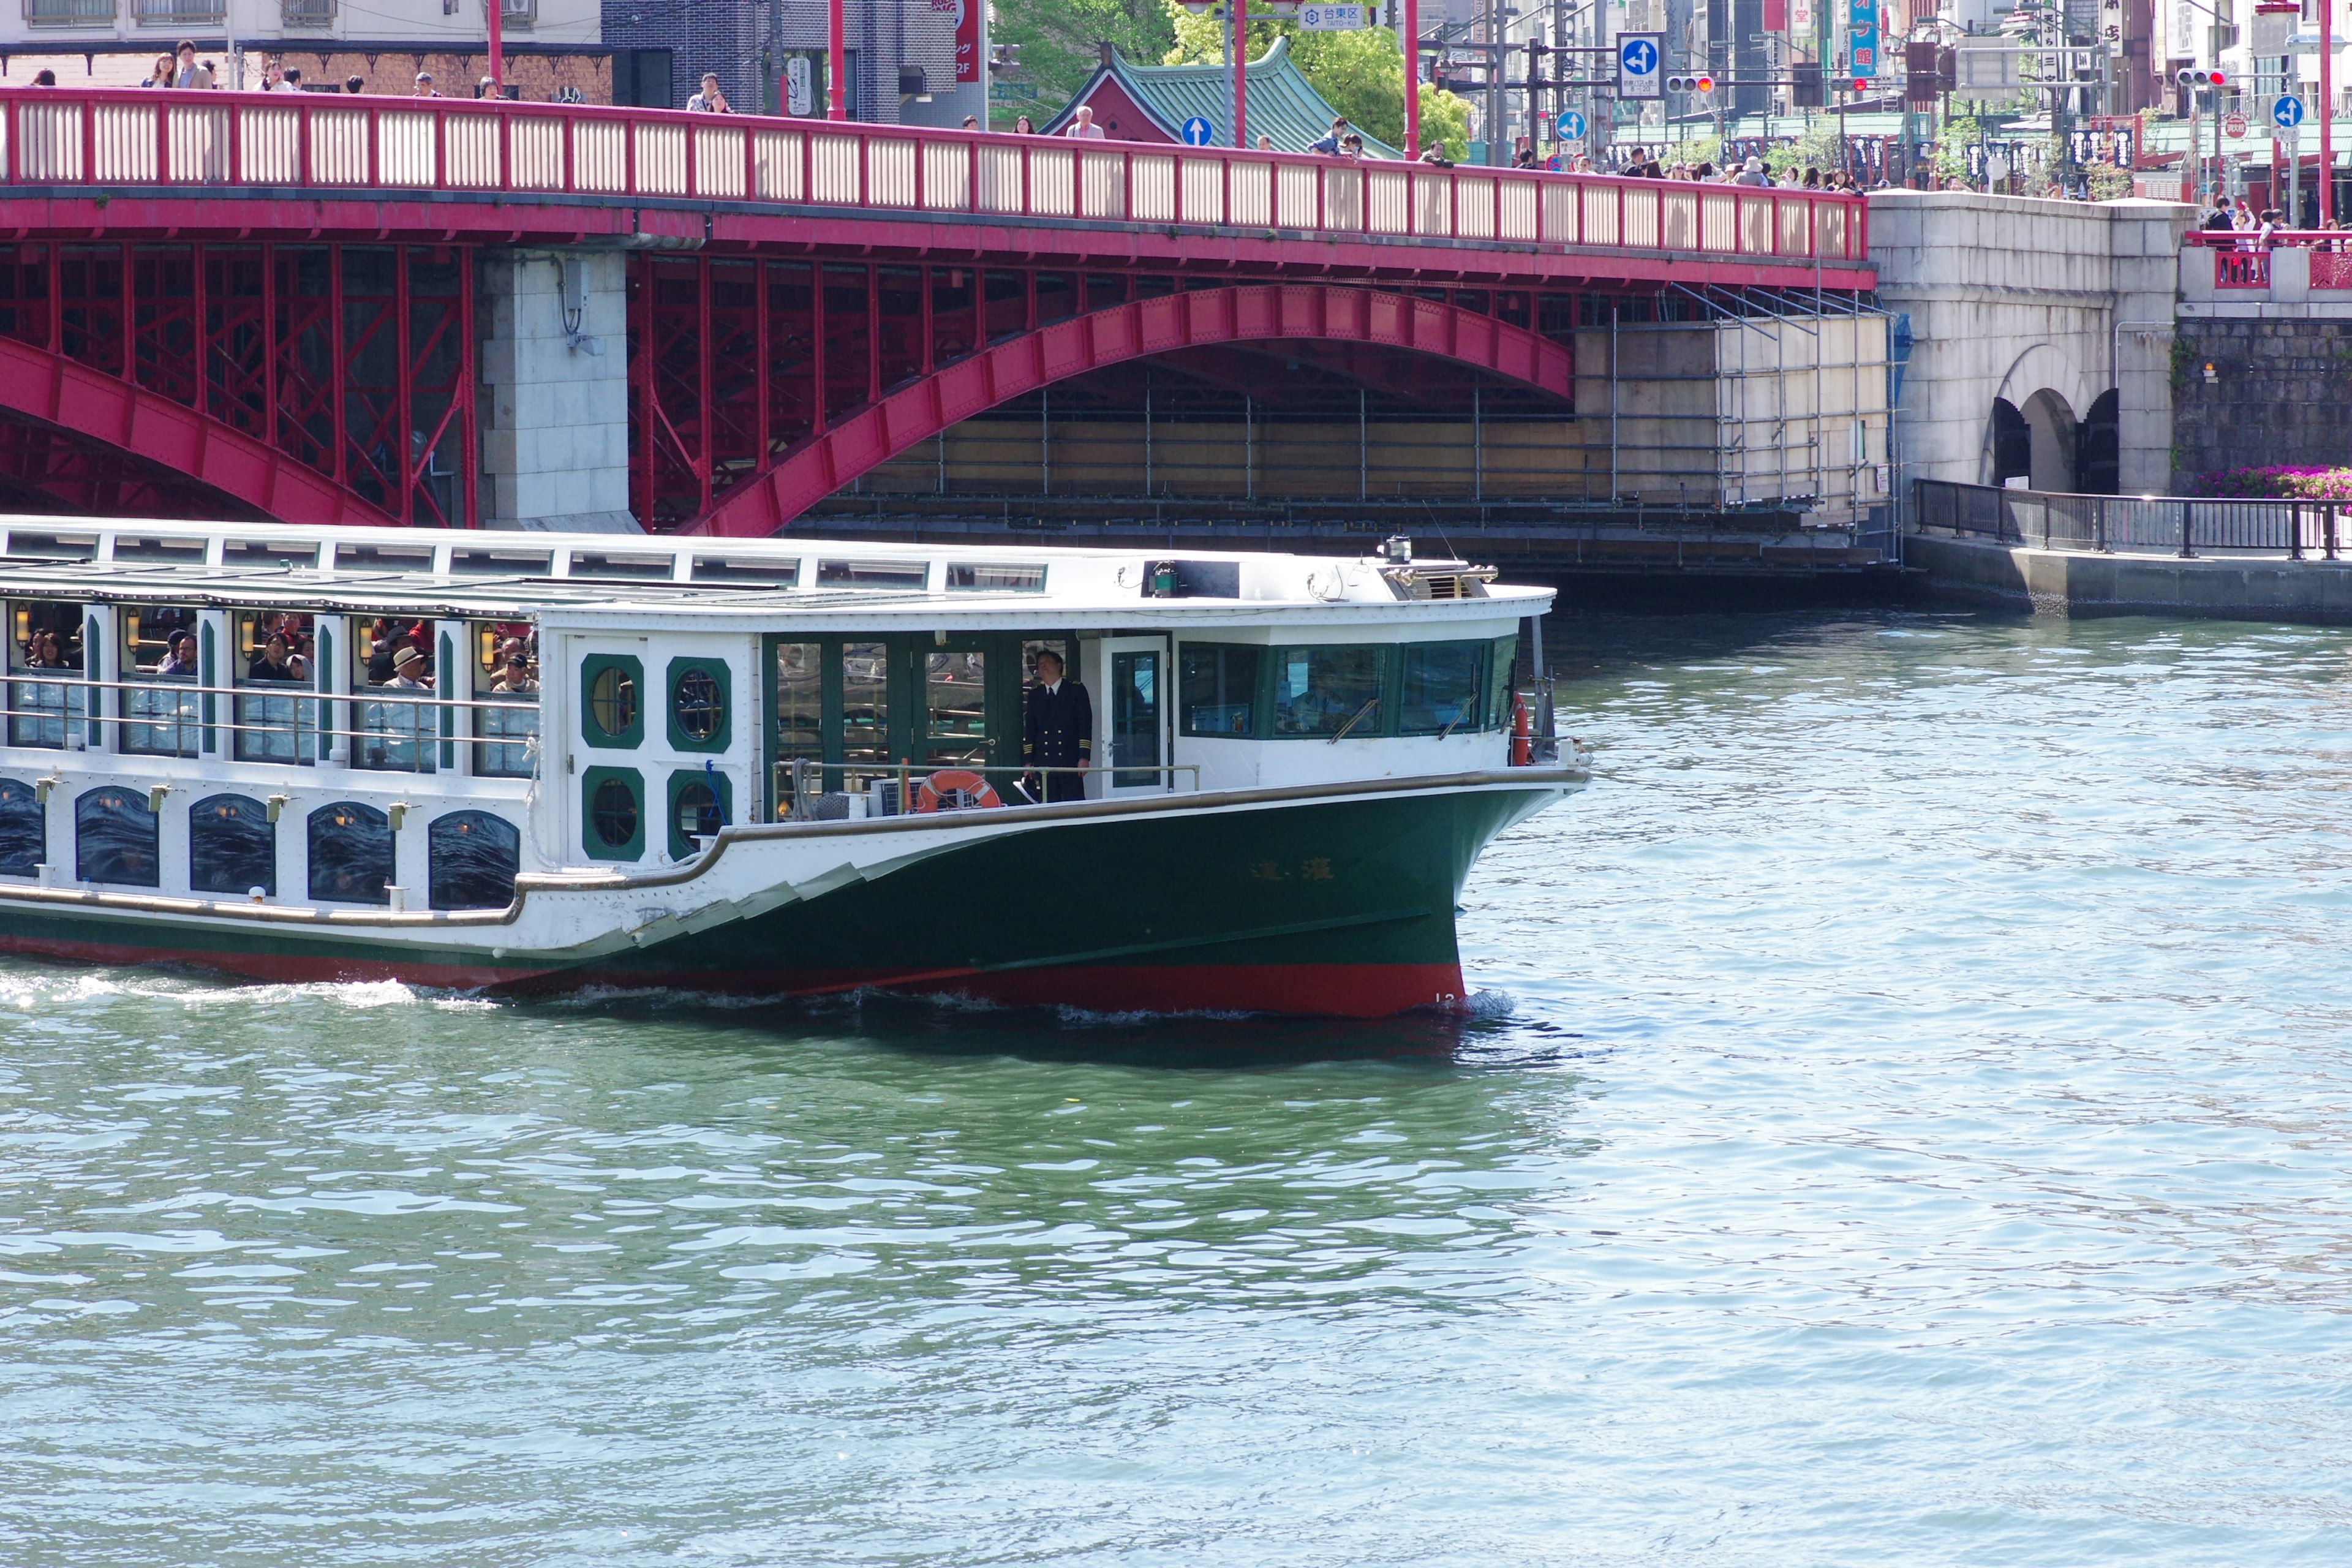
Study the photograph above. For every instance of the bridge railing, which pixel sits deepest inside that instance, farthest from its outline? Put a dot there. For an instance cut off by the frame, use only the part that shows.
(320, 140)
(2178, 525)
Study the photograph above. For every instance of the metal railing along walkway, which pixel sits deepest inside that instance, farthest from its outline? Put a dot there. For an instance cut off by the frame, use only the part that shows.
(2177, 525)
(309, 141)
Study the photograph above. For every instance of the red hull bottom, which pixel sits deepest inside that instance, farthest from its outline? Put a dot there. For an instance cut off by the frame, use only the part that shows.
(1320, 990)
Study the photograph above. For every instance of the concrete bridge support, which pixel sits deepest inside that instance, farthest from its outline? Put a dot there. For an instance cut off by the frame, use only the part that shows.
(2041, 337)
(554, 392)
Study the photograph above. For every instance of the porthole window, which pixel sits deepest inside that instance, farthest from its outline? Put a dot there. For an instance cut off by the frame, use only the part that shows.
(700, 803)
(115, 839)
(350, 853)
(700, 692)
(232, 847)
(612, 708)
(472, 858)
(613, 816)
(24, 829)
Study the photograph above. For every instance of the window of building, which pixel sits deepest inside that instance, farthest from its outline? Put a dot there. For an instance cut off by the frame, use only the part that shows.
(1218, 690)
(700, 692)
(24, 829)
(115, 839)
(1328, 691)
(615, 799)
(471, 860)
(613, 713)
(232, 846)
(44, 637)
(1441, 687)
(275, 656)
(161, 660)
(351, 855)
(990, 577)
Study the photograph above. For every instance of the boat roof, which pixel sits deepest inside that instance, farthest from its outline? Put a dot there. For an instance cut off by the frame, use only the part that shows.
(475, 574)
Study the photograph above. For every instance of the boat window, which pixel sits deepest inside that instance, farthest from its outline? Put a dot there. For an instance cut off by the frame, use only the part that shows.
(471, 858)
(987, 577)
(955, 688)
(1443, 687)
(1328, 690)
(174, 552)
(232, 847)
(698, 806)
(614, 798)
(614, 714)
(350, 853)
(1135, 717)
(1500, 669)
(865, 702)
(750, 570)
(45, 635)
(33, 545)
(1218, 693)
(506, 698)
(24, 829)
(799, 708)
(349, 557)
(115, 839)
(488, 561)
(614, 564)
(159, 645)
(266, 552)
(275, 656)
(699, 695)
(872, 574)
(393, 663)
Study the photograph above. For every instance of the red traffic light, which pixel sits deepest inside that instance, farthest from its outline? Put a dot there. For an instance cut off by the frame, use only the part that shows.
(2218, 80)
(1706, 84)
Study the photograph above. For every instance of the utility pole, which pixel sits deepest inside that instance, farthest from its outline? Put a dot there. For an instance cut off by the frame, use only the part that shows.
(497, 10)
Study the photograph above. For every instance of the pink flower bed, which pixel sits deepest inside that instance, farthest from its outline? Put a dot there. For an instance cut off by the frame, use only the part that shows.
(2278, 481)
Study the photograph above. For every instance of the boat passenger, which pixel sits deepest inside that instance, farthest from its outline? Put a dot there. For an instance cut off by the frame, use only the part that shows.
(180, 654)
(274, 662)
(515, 679)
(1058, 733)
(410, 672)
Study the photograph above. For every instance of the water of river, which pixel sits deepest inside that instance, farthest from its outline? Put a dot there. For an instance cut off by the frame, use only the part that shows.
(1911, 1125)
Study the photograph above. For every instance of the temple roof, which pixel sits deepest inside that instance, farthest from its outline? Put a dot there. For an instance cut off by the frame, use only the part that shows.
(1282, 103)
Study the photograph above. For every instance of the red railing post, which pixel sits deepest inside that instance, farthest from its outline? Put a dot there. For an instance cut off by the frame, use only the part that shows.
(441, 146)
(693, 162)
(629, 155)
(162, 143)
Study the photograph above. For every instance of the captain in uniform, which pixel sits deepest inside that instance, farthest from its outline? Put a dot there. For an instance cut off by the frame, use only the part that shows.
(1057, 732)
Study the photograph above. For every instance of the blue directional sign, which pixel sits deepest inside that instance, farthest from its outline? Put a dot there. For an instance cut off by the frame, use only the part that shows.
(2287, 112)
(1199, 132)
(1638, 58)
(1571, 126)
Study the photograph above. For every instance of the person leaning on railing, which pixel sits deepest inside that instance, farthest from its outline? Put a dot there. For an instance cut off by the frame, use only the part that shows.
(709, 101)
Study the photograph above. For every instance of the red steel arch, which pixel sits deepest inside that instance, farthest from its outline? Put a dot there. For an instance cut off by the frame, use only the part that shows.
(107, 409)
(916, 413)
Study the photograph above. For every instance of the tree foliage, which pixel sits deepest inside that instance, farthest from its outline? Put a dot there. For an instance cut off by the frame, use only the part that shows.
(1058, 40)
(1361, 74)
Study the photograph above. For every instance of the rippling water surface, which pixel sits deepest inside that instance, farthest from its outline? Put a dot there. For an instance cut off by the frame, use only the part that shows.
(1912, 1127)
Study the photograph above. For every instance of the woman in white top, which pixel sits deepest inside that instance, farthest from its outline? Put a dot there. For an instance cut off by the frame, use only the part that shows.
(1083, 126)
(709, 101)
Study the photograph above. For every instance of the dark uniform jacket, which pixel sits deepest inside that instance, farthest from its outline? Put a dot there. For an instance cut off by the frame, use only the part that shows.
(1059, 726)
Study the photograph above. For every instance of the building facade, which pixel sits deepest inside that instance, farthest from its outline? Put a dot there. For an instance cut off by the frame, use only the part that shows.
(914, 62)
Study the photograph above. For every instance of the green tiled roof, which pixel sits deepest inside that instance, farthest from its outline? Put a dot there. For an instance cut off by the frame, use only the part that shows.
(1282, 103)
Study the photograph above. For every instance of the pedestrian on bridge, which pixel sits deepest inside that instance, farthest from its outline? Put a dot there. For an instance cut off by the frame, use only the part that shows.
(709, 101)
(190, 73)
(1083, 127)
(162, 74)
(425, 88)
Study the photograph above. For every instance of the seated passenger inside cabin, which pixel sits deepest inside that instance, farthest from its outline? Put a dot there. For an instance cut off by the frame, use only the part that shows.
(410, 671)
(515, 677)
(179, 654)
(274, 662)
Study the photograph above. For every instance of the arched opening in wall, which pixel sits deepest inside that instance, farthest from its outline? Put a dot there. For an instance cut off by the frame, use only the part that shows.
(1249, 428)
(2053, 431)
(2099, 464)
(2013, 443)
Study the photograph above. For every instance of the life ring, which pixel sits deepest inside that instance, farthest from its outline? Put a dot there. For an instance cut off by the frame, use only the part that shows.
(954, 789)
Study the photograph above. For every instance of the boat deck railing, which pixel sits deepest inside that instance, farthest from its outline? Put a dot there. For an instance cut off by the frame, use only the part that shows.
(373, 728)
(812, 791)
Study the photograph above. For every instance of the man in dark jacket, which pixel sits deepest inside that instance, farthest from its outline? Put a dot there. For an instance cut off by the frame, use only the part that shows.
(1058, 731)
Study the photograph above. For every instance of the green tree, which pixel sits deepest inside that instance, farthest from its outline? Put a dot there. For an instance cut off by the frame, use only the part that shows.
(1361, 74)
(1058, 40)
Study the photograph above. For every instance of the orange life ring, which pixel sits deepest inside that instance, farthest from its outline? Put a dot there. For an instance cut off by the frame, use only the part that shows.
(954, 789)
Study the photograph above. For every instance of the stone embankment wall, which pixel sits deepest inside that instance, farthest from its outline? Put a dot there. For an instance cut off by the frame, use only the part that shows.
(2281, 393)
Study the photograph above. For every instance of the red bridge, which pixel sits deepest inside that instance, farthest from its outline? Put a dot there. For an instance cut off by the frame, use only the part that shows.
(290, 307)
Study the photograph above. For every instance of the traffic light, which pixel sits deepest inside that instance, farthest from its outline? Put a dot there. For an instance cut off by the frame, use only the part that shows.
(1700, 83)
(1805, 85)
(2195, 77)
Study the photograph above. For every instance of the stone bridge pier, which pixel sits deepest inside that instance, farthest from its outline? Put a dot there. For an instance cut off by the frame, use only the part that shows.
(554, 388)
(2040, 338)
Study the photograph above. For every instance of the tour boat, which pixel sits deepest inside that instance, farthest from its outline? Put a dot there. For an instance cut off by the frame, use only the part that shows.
(513, 761)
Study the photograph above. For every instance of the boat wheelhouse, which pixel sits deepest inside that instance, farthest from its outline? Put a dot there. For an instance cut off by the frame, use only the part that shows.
(524, 761)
